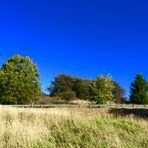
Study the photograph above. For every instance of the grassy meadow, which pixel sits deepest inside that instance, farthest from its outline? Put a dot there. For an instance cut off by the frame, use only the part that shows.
(70, 128)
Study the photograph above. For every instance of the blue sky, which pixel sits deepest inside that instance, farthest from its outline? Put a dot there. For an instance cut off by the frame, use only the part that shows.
(81, 38)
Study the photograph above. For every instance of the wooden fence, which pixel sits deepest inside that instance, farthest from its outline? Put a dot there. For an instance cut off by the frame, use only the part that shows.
(80, 106)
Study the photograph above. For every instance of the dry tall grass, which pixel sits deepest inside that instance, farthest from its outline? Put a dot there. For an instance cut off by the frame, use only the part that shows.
(68, 128)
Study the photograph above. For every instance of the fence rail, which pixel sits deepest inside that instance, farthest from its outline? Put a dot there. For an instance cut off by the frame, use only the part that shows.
(79, 105)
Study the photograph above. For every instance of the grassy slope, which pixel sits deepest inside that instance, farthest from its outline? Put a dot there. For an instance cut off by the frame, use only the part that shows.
(84, 128)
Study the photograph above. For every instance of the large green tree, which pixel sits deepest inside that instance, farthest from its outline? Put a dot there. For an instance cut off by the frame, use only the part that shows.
(139, 90)
(19, 81)
(101, 89)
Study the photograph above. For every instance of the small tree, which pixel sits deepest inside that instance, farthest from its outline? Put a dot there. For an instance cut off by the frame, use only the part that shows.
(101, 89)
(19, 81)
(139, 90)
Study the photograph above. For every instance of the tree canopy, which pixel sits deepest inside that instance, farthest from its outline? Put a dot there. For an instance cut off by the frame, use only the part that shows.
(139, 90)
(118, 93)
(20, 84)
(102, 89)
(19, 81)
(66, 85)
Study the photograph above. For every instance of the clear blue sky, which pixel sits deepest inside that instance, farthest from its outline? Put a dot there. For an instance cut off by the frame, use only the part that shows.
(78, 37)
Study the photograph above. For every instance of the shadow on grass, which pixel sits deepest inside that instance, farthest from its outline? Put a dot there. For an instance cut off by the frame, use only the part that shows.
(124, 112)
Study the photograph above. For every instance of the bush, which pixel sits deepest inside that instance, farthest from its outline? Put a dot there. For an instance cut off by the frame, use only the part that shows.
(8, 100)
(68, 95)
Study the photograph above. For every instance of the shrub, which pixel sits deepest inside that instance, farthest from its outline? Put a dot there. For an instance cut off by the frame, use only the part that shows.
(68, 95)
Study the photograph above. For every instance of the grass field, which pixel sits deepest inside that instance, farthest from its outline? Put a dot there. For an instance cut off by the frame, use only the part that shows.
(68, 128)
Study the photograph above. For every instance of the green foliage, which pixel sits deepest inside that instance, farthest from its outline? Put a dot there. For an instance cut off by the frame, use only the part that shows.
(81, 88)
(68, 95)
(8, 100)
(69, 86)
(101, 89)
(139, 90)
(19, 81)
(62, 83)
(118, 93)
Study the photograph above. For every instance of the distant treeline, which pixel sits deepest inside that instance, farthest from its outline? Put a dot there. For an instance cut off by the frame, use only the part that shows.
(20, 84)
(101, 90)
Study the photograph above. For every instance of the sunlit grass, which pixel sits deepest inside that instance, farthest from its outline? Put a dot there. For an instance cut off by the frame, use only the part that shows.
(84, 128)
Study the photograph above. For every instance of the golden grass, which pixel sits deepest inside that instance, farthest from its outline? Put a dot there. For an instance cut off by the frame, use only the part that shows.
(80, 128)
